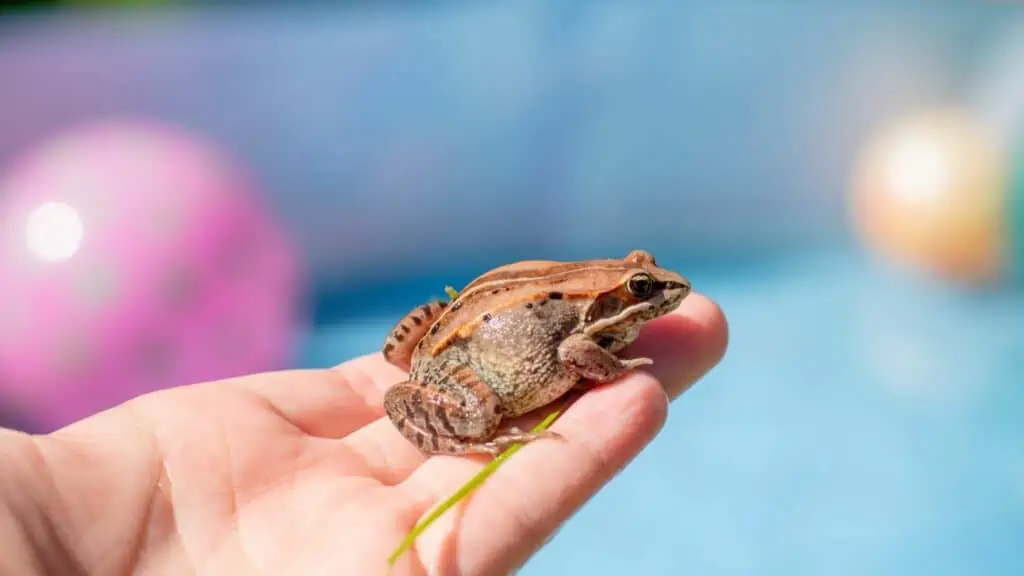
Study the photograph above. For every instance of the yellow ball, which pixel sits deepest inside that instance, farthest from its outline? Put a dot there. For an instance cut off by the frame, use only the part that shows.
(931, 192)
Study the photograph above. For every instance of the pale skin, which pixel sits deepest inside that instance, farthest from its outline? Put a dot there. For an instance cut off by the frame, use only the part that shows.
(298, 472)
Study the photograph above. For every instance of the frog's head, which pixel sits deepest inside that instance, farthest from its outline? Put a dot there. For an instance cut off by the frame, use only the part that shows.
(643, 291)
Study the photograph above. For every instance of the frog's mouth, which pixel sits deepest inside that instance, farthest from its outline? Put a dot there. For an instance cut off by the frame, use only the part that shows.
(669, 297)
(665, 299)
(629, 316)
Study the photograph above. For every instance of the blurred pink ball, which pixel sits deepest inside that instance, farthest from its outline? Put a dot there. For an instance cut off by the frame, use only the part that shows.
(133, 257)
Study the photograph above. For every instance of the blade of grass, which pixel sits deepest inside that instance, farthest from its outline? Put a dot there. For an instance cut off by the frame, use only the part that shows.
(464, 491)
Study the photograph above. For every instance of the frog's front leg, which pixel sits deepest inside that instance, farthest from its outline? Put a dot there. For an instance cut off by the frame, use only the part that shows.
(402, 340)
(583, 355)
(458, 416)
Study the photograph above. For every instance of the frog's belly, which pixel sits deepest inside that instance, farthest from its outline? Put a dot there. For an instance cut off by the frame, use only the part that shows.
(525, 379)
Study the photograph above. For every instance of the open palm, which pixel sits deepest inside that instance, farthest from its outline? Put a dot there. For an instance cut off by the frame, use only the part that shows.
(298, 472)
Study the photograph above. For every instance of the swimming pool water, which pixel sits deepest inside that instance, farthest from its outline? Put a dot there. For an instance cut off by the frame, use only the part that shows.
(862, 423)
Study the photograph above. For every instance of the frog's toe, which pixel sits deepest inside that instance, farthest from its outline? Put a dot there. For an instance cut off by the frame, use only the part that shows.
(514, 431)
(636, 363)
(514, 436)
(549, 435)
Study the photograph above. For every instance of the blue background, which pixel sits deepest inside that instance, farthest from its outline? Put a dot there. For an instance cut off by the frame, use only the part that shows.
(865, 421)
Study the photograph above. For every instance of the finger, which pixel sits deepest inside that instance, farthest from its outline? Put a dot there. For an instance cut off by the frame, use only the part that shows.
(522, 504)
(385, 453)
(693, 341)
(329, 403)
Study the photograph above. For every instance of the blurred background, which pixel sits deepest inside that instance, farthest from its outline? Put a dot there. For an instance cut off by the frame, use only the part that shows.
(194, 190)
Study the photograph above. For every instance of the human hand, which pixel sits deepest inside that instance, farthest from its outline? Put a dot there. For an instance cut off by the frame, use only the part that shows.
(297, 472)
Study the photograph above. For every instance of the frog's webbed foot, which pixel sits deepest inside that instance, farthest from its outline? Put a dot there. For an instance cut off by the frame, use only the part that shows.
(402, 340)
(587, 358)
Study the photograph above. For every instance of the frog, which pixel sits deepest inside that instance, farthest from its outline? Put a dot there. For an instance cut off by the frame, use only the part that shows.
(515, 339)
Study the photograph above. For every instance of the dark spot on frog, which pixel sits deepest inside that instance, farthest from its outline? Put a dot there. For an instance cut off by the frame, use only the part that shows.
(434, 328)
(443, 304)
(529, 305)
(555, 295)
(398, 336)
(405, 329)
(542, 303)
(486, 318)
(417, 320)
(388, 348)
(456, 306)
(426, 310)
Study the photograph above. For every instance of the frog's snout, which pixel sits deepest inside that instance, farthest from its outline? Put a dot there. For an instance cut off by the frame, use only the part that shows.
(676, 290)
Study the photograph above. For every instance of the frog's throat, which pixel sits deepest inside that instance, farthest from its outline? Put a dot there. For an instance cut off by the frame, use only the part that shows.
(620, 318)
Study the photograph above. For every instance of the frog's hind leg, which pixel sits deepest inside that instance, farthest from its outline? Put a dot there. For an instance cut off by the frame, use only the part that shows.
(459, 417)
(400, 342)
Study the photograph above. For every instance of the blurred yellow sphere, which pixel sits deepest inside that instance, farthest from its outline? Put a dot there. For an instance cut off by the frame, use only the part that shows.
(931, 192)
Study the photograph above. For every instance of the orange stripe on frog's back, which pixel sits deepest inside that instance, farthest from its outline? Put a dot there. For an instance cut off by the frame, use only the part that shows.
(516, 284)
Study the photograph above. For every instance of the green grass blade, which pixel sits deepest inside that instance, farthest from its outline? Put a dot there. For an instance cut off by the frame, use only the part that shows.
(464, 491)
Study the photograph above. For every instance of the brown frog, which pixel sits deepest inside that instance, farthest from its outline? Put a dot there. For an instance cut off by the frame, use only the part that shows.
(515, 339)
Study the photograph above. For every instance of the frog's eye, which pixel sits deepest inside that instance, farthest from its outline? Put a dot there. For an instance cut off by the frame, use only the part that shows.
(640, 285)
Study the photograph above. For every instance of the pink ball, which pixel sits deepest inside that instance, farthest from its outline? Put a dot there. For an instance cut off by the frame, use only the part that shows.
(135, 257)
